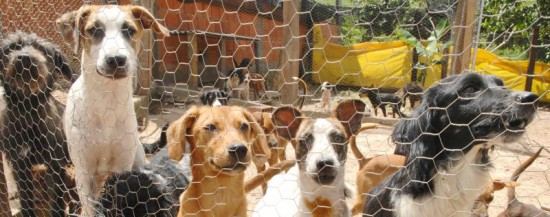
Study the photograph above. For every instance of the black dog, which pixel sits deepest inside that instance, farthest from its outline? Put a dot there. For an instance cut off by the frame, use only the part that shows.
(214, 98)
(412, 91)
(447, 142)
(32, 130)
(381, 100)
(152, 191)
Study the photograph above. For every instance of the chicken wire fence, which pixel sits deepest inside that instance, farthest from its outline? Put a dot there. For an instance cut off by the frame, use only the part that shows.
(386, 53)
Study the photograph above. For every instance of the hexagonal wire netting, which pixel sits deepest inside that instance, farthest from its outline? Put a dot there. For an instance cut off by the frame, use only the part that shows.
(438, 84)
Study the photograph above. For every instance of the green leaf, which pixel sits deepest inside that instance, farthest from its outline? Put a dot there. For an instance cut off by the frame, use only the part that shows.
(406, 37)
(441, 27)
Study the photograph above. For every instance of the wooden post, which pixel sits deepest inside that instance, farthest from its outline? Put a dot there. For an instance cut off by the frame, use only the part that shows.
(463, 27)
(223, 47)
(192, 52)
(291, 58)
(532, 57)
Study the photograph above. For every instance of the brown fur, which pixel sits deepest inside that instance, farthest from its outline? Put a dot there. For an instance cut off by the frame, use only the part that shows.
(262, 177)
(372, 170)
(84, 18)
(320, 207)
(516, 208)
(276, 143)
(257, 83)
(43, 199)
(215, 191)
(481, 206)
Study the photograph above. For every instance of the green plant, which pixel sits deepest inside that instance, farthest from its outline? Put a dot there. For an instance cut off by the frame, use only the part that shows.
(430, 49)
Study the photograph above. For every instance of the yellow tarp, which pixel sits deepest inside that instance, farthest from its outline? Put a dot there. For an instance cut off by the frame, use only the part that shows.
(388, 64)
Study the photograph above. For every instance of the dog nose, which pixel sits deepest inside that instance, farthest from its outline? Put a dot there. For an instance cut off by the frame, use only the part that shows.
(324, 163)
(238, 151)
(24, 60)
(116, 61)
(527, 97)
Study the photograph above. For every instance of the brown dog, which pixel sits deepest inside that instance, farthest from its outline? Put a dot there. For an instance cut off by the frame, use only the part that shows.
(222, 140)
(515, 207)
(373, 170)
(257, 84)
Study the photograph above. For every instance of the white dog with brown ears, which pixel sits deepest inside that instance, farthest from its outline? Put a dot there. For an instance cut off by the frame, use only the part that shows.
(100, 121)
(315, 186)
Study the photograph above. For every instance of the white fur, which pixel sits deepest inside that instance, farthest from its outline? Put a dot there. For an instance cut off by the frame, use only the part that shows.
(455, 190)
(100, 121)
(244, 88)
(286, 193)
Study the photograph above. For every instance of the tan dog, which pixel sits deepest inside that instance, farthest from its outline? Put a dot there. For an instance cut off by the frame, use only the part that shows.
(222, 140)
(373, 170)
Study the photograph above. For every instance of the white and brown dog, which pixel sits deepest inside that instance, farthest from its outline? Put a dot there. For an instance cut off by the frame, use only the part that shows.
(315, 186)
(100, 121)
(326, 99)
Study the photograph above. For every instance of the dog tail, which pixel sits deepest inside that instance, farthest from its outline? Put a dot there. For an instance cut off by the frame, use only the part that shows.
(303, 85)
(517, 172)
(159, 144)
(353, 144)
(266, 175)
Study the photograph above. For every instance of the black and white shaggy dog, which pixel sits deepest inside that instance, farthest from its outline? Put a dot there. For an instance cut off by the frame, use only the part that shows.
(154, 190)
(447, 141)
(32, 131)
(214, 98)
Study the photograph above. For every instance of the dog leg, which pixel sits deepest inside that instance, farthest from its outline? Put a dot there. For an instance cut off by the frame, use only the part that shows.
(140, 158)
(23, 176)
(383, 108)
(375, 111)
(85, 184)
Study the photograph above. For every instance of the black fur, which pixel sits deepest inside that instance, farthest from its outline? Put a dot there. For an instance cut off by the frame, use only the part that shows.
(152, 191)
(209, 97)
(155, 146)
(381, 100)
(32, 130)
(455, 115)
(414, 92)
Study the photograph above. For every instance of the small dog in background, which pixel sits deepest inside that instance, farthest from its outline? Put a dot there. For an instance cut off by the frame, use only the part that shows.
(238, 78)
(32, 128)
(413, 91)
(214, 98)
(257, 83)
(326, 98)
(381, 100)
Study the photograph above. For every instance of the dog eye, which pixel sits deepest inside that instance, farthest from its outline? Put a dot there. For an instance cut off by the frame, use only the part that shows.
(470, 89)
(97, 33)
(307, 140)
(210, 128)
(338, 138)
(244, 127)
(129, 32)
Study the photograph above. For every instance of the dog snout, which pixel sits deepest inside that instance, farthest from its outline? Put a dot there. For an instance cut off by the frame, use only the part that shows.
(117, 61)
(22, 62)
(325, 164)
(238, 151)
(526, 97)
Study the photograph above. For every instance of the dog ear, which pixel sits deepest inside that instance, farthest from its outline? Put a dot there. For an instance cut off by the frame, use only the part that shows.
(148, 21)
(71, 25)
(499, 185)
(259, 146)
(203, 98)
(177, 133)
(350, 114)
(62, 65)
(287, 120)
